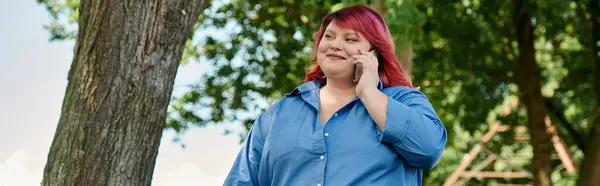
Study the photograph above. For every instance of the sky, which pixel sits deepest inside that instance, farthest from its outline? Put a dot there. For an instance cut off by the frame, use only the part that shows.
(33, 78)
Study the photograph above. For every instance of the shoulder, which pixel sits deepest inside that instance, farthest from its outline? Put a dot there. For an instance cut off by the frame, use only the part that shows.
(280, 104)
(285, 105)
(283, 109)
(402, 92)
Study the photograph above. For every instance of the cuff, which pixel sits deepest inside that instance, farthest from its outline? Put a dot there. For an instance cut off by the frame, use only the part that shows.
(396, 122)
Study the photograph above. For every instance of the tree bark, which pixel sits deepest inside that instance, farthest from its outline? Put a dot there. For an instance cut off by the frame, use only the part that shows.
(529, 83)
(125, 61)
(379, 6)
(404, 55)
(405, 59)
(590, 168)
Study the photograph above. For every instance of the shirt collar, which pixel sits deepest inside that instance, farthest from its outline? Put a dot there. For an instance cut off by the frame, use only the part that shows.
(315, 85)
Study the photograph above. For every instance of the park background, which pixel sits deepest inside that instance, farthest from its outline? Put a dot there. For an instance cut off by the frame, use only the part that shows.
(471, 58)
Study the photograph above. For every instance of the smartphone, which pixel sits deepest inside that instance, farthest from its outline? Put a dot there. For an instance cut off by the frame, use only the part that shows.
(358, 70)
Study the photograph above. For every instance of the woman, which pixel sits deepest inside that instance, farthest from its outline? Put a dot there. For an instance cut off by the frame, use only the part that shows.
(332, 130)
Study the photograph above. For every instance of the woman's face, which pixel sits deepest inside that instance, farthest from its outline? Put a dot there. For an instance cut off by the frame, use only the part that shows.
(336, 48)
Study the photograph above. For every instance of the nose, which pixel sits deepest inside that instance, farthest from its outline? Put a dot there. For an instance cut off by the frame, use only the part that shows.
(336, 46)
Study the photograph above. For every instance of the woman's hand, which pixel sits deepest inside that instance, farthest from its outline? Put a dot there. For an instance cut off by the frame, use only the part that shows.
(370, 76)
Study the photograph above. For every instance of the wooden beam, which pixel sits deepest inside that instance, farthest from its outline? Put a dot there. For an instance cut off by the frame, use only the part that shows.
(463, 165)
(522, 137)
(500, 158)
(489, 174)
(560, 147)
(490, 133)
(520, 128)
(479, 167)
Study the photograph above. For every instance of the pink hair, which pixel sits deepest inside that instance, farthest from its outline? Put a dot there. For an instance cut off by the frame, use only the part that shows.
(370, 24)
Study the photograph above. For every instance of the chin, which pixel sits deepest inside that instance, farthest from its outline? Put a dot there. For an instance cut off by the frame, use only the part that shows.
(337, 74)
(335, 68)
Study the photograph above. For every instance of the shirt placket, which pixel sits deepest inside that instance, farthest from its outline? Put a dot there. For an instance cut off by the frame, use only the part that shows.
(320, 148)
(320, 151)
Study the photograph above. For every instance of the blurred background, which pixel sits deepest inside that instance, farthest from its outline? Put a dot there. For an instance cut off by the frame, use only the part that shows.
(488, 66)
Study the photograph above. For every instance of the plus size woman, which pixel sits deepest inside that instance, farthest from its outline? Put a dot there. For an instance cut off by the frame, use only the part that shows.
(335, 130)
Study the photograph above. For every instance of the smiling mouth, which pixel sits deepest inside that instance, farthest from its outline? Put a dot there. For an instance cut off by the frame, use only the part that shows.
(336, 57)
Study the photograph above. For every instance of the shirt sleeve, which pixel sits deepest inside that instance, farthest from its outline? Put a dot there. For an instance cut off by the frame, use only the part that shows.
(244, 171)
(413, 129)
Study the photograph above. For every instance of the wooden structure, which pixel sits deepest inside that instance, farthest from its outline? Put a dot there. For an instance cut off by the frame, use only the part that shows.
(461, 175)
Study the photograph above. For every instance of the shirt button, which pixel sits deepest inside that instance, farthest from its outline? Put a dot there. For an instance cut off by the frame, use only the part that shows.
(335, 114)
(319, 184)
(326, 134)
(322, 157)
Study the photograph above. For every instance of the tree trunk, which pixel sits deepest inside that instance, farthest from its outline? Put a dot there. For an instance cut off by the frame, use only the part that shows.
(404, 55)
(379, 6)
(529, 83)
(120, 82)
(405, 59)
(590, 168)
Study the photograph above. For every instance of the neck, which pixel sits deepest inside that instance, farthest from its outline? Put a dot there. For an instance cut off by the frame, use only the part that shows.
(340, 88)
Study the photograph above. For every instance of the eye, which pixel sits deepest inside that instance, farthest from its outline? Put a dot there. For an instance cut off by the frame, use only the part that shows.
(351, 39)
(328, 36)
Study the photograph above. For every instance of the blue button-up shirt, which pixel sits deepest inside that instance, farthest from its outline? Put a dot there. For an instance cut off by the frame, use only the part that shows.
(288, 145)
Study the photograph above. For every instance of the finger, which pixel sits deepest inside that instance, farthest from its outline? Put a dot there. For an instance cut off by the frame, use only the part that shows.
(361, 57)
(358, 60)
(373, 51)
(367, 59)
(370, 54)
(373, 54)
(365, 64)
(358, 57)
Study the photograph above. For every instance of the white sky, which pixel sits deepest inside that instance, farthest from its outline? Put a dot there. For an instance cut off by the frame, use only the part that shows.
(33, 75)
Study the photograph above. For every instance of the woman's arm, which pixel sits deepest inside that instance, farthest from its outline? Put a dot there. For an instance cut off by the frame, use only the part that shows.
(409, 124)
(244, 171)
(245, 168)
